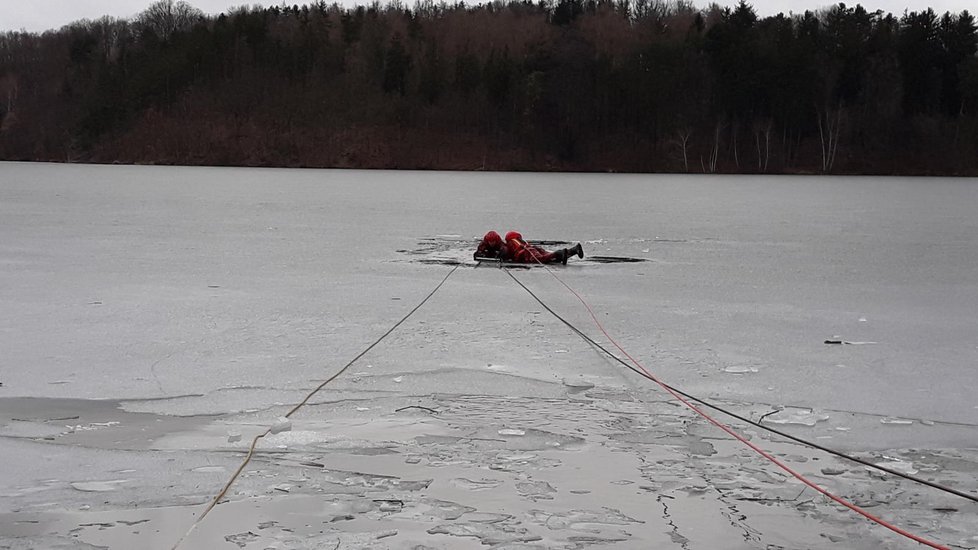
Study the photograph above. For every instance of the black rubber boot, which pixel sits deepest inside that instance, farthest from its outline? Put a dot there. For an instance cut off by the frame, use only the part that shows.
(561, 255)
(579, 250)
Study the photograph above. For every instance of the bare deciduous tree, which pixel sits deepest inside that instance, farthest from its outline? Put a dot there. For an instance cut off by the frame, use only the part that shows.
(165, 17)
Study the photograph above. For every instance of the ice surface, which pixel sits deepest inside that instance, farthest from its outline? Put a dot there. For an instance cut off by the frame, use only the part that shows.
(231, 293)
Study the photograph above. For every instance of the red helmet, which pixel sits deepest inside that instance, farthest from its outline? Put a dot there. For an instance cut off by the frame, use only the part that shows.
(492, 239)
(513, 235)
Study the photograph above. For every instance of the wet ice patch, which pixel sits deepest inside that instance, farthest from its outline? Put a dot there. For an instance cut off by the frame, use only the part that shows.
(431, 510)
(338, 510)
(25, 428)
(529, 439)
(208, 469)
(613, 259)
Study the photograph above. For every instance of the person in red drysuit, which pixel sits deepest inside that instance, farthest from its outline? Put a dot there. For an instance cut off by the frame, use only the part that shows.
(492, 246)
(514, 249)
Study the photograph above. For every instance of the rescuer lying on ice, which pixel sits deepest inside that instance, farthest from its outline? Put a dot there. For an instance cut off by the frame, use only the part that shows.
(515, 249)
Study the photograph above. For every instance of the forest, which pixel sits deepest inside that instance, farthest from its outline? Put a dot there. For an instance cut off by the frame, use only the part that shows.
(571, 85)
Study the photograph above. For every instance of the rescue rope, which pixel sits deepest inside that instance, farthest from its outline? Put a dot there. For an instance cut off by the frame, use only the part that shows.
(773, 430)
(730, 431)
(254, 442)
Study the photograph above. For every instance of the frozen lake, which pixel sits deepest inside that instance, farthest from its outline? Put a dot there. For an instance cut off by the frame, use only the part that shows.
(182, 292)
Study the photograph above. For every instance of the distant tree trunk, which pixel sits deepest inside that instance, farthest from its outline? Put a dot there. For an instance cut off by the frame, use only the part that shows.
(683, 141)
(711, 166)
(829, 128)
(763, 153)
(733, 132)
(8, 83)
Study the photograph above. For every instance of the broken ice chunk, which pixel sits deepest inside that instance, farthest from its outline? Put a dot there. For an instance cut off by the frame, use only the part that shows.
(476, 485)
(97, 486)
(902, 466)
(792, 415)
(511, 431)
(283, 424)
(584, 519)
(740, 369)
(536, 490)
(446, 509)
(234, 435)
(241, 539)
(578, 385)
(488, 534)
(896, 421)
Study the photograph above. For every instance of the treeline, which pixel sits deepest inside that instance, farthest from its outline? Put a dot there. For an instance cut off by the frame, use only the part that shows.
(620, 85)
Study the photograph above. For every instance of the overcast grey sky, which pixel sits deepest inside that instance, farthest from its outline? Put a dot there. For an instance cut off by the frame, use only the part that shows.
(40, 15)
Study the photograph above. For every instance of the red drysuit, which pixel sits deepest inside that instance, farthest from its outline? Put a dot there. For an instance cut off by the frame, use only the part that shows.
(517, 250)
(490, 247)
(513, 249)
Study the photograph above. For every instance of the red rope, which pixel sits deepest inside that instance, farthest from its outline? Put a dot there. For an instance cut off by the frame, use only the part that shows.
(741, 438)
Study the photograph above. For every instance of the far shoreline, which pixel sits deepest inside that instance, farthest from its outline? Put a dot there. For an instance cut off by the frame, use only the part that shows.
(595, 171)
